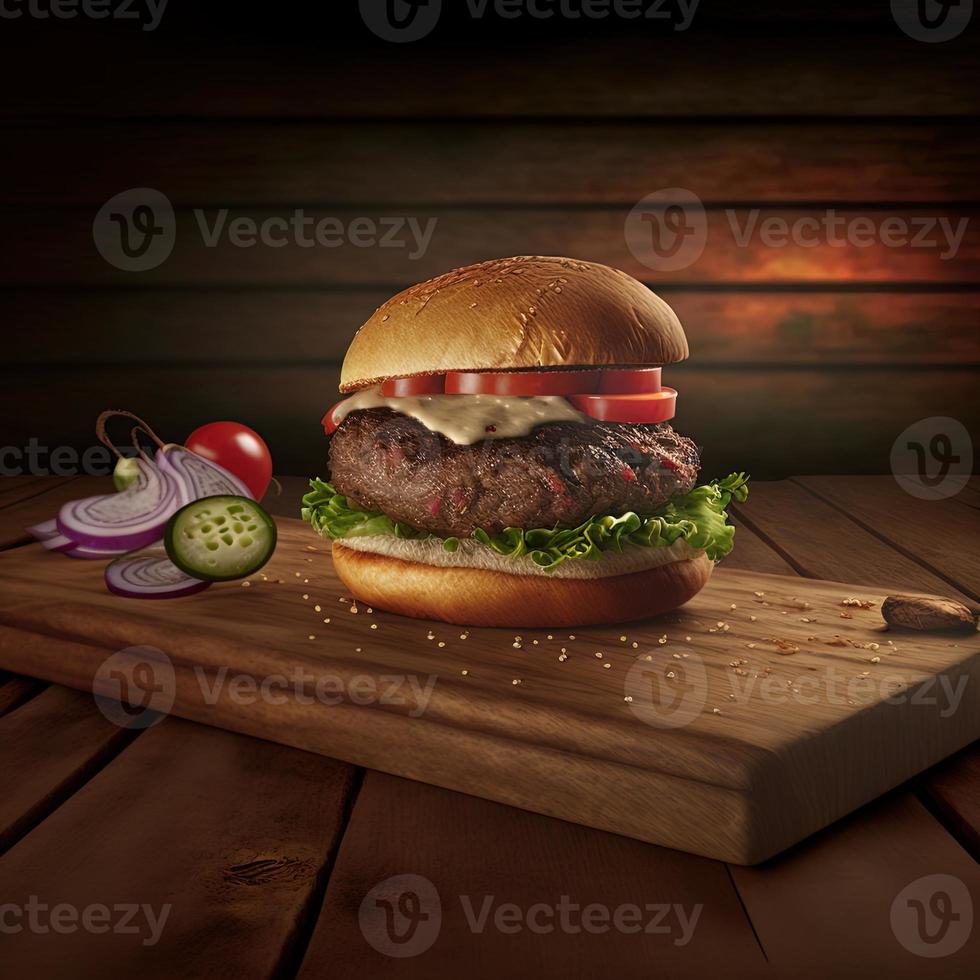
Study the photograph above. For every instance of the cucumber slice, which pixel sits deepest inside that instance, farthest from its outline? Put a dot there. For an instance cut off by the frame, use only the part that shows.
(221, 538)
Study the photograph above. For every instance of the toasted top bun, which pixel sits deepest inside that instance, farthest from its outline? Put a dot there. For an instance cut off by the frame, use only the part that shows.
(529, 311)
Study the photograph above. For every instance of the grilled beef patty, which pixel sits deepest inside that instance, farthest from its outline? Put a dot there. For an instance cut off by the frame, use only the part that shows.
(562, 473)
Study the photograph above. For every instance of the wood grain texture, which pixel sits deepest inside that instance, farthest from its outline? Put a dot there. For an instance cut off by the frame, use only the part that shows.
(753, 554)
(13, 488)
(18, 494)
(841, 885)
(16, 517)
(196, 163)
(16, 690)
(761, 760)
(469, 849)
(55, 246)
(952, 791)
(51, 746)
(93, 326)
(243, 830)
(828, 542)
(909, 524)
(675, 76)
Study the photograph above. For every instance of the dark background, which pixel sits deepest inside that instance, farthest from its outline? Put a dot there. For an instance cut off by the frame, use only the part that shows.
(519, 137)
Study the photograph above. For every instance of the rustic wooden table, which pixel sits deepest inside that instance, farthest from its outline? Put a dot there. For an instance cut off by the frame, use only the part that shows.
(260, 855)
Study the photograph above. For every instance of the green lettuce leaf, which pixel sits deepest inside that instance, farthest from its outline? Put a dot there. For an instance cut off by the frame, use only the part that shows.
(699, 517)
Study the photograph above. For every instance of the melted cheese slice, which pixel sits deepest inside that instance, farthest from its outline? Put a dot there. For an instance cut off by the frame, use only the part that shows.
(466, 419)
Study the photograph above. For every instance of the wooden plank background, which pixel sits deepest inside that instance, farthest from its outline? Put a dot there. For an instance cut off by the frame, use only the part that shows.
(534, 138)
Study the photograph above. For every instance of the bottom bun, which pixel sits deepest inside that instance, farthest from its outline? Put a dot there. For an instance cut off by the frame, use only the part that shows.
(482, 597)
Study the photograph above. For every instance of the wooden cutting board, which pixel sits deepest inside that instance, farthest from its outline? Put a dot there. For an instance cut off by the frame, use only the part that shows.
(761, 712)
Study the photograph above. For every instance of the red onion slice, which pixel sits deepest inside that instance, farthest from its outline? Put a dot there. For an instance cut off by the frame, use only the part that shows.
(44, 530)
(124, 520)
(92, 554)
(57, 543)
(197, 477)
(49, 536)
(150, 575)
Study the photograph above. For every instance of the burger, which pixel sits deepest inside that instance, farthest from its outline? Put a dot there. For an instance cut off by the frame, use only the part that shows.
(504, 455)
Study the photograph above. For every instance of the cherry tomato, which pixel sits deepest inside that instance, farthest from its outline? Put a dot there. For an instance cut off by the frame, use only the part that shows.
(327, 421)
(521, 382)
(629, 381)
(651, 407)
(237, 448)
(421, 384)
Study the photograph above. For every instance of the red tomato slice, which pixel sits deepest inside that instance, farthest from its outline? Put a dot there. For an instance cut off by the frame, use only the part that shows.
(422, 384)
(327, 421)
(237, 448)
(521, 382)
(651, 407)
(629, 381)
